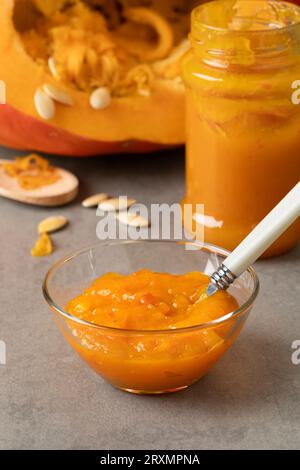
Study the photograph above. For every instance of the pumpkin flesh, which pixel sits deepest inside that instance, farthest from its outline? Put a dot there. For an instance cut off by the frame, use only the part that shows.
(145, 79)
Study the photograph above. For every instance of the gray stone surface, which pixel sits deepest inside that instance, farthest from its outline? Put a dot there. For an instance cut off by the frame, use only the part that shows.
(50, 400)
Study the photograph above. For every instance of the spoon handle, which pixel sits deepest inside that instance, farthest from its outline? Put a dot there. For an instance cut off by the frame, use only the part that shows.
(256, 243)
(265, 233)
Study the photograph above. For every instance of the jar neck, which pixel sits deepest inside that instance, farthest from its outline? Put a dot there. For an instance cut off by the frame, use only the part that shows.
(239, 34)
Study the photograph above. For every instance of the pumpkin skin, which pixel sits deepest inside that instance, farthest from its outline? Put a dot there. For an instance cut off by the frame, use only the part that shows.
(130, 124)
(22, 132)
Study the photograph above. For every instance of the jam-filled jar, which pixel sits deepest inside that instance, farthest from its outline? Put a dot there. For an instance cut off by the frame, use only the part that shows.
(243, 116)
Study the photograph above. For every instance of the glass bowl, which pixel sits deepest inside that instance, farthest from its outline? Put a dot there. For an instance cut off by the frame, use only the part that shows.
(146, 362)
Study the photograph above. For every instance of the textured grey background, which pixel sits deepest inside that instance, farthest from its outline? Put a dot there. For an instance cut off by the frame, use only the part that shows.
(50, 400)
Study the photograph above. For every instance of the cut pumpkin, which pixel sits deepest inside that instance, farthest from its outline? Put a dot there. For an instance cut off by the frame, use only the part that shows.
(80, 46)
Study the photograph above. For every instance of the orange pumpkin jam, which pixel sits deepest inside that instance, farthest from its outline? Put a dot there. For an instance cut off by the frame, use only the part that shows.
(158, 360)
(242, 126)
(32, 172)
(147, 300)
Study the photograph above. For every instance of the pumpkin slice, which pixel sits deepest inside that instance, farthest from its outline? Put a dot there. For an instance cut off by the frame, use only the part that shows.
(79, 47)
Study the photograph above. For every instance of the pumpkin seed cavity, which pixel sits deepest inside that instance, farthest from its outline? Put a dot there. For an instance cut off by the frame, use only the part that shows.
(120, 46)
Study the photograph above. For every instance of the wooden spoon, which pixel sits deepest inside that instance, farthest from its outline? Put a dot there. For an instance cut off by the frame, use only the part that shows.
(56, 194)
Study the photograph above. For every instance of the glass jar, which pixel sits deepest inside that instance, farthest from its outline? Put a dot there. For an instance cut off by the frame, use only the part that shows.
(243, 129)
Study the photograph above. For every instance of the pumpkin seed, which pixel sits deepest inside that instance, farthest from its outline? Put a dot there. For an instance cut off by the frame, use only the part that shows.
(44, 105)
(133, 220)
(52, 224)
(57, 94)
(116, 204)
(95, 200)
(100, 98)
(53, 68)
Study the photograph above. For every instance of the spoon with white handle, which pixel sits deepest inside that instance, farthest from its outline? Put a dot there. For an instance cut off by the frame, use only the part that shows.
(256, 243)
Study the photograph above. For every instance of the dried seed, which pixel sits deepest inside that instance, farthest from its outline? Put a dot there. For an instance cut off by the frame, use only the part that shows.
(116, 204)
(44, 105)
(95, 200)
(100, 98)
(57, 94)
(133, 220)
(52, 224)
(53, 68)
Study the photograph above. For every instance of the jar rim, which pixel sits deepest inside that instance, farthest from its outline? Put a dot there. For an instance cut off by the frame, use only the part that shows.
(199, 12)
(219, 45)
